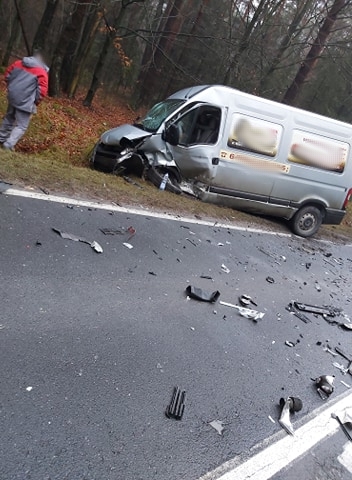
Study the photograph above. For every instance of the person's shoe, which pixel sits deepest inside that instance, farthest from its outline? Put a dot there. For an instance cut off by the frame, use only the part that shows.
(6, 146)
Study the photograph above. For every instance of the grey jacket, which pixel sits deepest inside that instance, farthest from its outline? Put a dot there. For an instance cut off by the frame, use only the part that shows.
(27, 83)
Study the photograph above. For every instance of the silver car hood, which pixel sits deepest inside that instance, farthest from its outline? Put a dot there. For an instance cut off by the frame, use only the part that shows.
(127, 133)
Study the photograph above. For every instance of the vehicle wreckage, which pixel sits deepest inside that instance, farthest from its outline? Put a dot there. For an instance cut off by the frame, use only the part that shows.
(231, 148)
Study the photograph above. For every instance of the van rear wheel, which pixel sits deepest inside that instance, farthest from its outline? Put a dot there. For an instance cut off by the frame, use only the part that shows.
(307, 221)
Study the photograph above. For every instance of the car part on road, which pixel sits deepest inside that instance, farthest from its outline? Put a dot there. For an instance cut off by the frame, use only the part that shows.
(127, 245)
(246, 300)
(217, 425)
(344, 428)
(292, 309)
(270, 279)
(290, 344)
(245, 312)
(290, 405)
(340, 367)
(177, 405)
(346, 357)
(69, 236)
(325, 385)
(225, 269)
(303, 307)
(199, 294)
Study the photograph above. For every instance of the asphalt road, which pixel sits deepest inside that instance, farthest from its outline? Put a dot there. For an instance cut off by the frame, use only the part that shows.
(93, 344)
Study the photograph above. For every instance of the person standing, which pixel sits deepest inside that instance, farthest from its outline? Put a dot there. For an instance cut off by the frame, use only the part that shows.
(27, 85)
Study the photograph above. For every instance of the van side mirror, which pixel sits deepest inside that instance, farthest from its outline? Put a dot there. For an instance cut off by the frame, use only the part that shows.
(172, 135)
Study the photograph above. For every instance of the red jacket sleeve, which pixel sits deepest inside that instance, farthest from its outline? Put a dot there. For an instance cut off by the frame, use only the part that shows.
(43, 83)
(17, 64)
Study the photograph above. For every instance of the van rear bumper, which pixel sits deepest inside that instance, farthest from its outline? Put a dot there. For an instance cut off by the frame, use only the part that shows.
(334, 217)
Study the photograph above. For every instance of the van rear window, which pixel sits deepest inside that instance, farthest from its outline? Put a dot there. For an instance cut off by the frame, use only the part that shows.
(254, 135)
(317, 151)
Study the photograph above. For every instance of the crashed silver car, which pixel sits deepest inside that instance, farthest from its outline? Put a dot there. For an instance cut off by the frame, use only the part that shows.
(231, 148)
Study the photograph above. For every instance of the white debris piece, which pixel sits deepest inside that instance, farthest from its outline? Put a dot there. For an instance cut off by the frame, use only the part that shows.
(96, 247)
(245, 312)
(217, 425)
(225, 269)
(128, 245)
(29, 389)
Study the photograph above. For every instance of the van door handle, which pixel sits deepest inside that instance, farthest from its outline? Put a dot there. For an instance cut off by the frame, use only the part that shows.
(215, 161)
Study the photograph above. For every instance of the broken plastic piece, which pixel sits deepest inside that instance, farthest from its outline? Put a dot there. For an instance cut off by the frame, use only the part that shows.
(199, 294)
(292, 309)
(95, 246)
(314, 309)
(177, 405)
(290, 405)
(217, 425)
(225, 269)
(325, 385)
(342, 424)
(245, 312)
(128, 245)
(70, 236)
(246, 300)
(270, 279)
(289, 344)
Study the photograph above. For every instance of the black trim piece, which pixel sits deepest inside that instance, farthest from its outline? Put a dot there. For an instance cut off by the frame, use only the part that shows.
(235, 193)
(334, 217)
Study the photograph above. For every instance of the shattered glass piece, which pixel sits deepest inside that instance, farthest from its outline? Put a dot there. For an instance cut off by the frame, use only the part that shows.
(217, 425)
(199, 294)
(96, 247)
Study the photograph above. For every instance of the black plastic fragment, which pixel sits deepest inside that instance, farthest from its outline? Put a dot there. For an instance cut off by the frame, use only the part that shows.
(199, 294)
(292, 309)
(303, 307)
(270, 279)
(177, 405)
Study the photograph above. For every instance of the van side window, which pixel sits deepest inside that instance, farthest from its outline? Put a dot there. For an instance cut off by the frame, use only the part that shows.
(317, 151)
(200, 126)
(254, 135)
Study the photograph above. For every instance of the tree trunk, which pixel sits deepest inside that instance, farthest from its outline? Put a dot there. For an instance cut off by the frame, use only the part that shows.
(13, 40)
(284, 44)
(307, 66)
(85, 46)
(40, 38)
(96, 79)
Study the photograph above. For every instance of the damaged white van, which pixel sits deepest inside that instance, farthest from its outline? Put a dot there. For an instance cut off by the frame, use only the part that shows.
(246, 152)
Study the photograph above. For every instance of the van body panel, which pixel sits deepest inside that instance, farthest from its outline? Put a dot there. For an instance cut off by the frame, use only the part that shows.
(251, 153)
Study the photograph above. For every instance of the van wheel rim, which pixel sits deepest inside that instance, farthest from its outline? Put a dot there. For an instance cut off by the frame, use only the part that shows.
(307, 222)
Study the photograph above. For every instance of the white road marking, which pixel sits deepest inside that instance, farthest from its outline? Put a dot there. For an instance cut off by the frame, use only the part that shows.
(281, 453)
(346, 457)
(135, 211)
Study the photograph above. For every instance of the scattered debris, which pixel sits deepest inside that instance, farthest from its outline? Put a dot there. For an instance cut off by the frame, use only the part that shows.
(303, 307)
(225, 269)
(217, 425)
(290, 344)
(127, 245)
(29, 389)
(206, 277)
(199, 294)
(325, 385)
(328, 350)
(346, 357)
(340, 367)
(69, 236)
(192, 242)
(292, 309)
(342, 424)
(246, 300)
(290, 405)
(132, 182)
(96, 247)
(153, 274)
(345, 384)
(270, 279)
(317, 287)
(177, 405)
(245, 312)
(271, 419)
(38, 243)
(112, 231)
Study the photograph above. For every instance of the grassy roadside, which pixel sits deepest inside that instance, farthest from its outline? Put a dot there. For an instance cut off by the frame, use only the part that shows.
(53, 157)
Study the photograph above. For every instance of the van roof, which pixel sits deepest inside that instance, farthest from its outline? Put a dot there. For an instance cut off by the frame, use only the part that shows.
(222, 95)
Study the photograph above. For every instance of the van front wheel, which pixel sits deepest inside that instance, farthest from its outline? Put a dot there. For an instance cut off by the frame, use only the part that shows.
(307, 221)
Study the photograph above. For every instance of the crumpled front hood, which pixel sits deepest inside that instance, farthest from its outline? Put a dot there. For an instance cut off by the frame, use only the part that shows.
(32, 62)
(121, 136)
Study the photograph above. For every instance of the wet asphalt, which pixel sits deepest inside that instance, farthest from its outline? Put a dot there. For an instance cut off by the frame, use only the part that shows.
(93, 344)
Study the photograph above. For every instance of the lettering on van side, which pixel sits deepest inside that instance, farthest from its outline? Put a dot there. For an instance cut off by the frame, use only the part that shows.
(254, 162)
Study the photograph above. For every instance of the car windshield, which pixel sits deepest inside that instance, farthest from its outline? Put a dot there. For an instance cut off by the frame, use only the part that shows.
(159, 113)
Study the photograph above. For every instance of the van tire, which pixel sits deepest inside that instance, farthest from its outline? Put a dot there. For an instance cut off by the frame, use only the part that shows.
(307, 221)
(156, 175)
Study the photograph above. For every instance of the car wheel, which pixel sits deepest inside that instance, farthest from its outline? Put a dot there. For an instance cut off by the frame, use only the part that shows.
(156, 175)
(307, 221)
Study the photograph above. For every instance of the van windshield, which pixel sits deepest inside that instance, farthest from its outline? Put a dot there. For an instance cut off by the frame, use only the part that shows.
(159, 113)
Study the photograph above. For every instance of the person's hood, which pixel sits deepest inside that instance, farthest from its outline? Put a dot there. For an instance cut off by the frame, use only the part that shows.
(33, 62)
